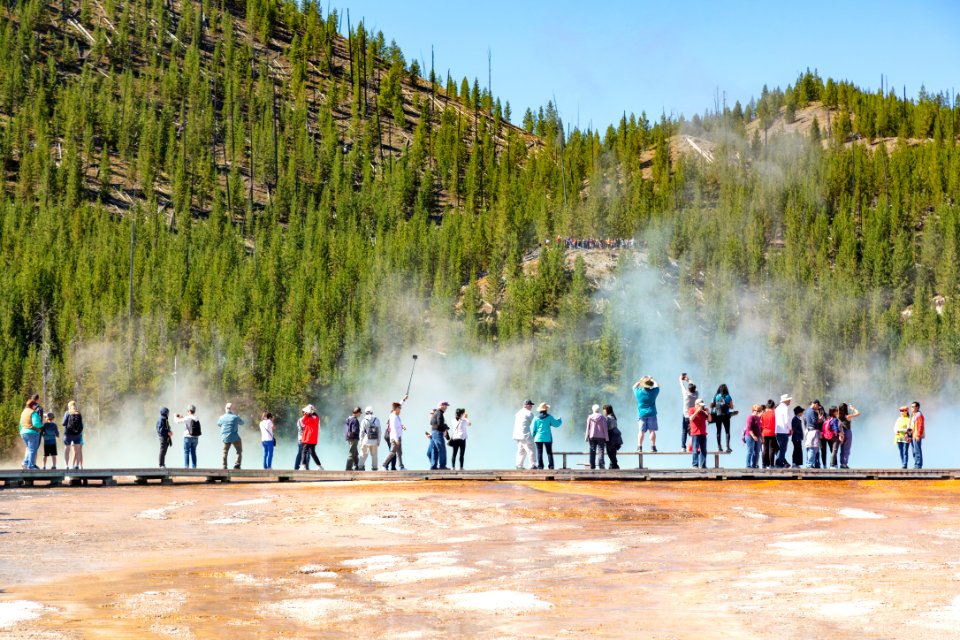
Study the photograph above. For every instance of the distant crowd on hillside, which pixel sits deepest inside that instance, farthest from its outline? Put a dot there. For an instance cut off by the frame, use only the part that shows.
(820, 436)
(594, 243)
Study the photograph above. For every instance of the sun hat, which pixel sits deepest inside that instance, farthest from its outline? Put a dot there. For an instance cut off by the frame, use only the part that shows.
(786, 397)
(543, 407)
(648, 382)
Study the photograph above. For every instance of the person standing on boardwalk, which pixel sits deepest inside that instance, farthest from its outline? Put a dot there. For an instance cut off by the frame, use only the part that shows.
(522, 422)
(690, 396)
(191, 436)
(73, 435)
(458, 437)
(782, 429)
(351, 433)
(796, 436)
(229, 424)
(49, 433)
(845, 414)
(596, 435)
(438, 429)
(768, 425)
(369, 439)
(614, 437)
(542, 434)
(753, 436)
(698, 431)
(646, 391)
(903, 436)
(395, 428)
(30, 426)
(165, 433)
(267, 438)
(722, 409)
(919, 428)
(309, 426)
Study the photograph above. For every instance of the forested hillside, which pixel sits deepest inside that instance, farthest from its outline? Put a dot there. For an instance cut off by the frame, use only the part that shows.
(276, 196)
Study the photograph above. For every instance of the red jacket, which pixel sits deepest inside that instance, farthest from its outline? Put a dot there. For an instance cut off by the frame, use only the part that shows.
(311, 428)
(768, 423)
(698, 422)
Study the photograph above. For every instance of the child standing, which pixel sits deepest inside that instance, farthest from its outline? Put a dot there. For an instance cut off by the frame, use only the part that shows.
(811, 442)
(50, 433)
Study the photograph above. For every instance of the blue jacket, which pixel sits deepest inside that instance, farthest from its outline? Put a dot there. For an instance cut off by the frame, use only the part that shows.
(646, 401)
(229, 424)
(542, 425)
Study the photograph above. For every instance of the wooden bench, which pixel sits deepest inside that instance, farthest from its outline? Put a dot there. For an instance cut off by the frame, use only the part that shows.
(640, 454)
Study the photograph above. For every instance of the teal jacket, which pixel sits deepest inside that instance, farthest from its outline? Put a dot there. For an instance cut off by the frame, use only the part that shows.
(542, 425)
(229, 424)
(646, 401)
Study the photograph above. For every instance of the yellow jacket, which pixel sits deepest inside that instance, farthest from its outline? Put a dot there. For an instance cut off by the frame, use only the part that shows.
(903, 423)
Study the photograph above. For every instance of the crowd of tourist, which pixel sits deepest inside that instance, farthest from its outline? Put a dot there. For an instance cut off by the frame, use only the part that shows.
(776, 435)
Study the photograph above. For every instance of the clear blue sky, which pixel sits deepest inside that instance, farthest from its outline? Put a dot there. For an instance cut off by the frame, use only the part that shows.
(602, 59)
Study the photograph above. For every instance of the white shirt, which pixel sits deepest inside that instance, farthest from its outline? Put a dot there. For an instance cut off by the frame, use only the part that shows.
(459, 431)
(521, 424)
(266, 430)
(395, 426)
(783, 417)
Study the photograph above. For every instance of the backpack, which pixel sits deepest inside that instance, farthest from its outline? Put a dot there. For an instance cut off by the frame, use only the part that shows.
(352, 429)
(194, 426)
(73, 424)
(373, 429)
(721, 407)
(829, 428)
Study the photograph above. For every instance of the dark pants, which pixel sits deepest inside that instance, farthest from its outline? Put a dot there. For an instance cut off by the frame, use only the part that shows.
(395, 455)
(164, 445)
(684, 433)
(457, 445)
(830, 446)
(612, 454)
(309, 451)
(723, 424)
(769, 451)
(783, 439)
(700, 451)
(597, 445)
(238, 445)
(353, 456)
(540, 447)
(797, 452)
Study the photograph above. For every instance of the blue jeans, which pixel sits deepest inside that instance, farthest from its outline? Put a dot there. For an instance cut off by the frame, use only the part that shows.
(845, 447)
(268, 453)
(437, 451)
(783, 439)
(700, 451)
(904, 453)
(753, 453)
(813, 457)
(190, 451)
(917, 454)
(32, 440)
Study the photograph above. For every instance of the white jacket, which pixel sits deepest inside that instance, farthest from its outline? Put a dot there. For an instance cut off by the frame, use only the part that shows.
(521, 424)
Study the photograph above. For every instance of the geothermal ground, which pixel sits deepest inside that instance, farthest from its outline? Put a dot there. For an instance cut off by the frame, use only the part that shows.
(796, 559)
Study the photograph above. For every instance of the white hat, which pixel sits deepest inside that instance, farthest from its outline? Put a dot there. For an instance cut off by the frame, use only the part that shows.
(786, 397)
(368, 410)
(308, 409)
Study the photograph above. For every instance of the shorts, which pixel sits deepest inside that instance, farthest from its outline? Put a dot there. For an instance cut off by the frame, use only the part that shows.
(69, 439)
(50, 449)
(648, 423)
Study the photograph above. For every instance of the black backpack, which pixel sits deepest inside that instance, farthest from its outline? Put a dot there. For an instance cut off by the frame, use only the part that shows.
(194, 427)
(73, 424)
(373, 429)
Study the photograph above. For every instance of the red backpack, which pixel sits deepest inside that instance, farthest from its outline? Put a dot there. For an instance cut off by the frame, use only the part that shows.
(829, 428)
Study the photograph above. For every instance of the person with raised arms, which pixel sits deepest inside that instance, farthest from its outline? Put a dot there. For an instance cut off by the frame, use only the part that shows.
(646, 391)
(542, 433)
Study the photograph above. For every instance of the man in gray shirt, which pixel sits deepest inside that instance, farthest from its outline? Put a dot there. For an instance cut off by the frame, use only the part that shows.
(690, 397)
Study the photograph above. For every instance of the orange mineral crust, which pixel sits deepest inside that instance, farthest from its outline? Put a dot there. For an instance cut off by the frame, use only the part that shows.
(735, 559)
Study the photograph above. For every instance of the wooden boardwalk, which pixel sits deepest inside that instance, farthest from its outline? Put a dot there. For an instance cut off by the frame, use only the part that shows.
(112, 477)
